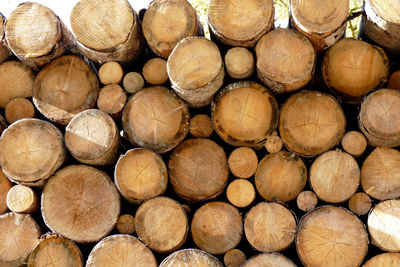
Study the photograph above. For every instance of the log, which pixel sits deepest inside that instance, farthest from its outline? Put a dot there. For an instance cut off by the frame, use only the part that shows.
(31, 158)
(380, 173)
(240, 193)
(155, 71)
(16, 80)
(119, 251)
(307, 201)
(198, 170)
(4, 50)
(133, 82)
(36, 35)
(360, 203)
(323, 23)
(161, 223)
(243, 162)
(111, 72)
(92, 138)
(126, 224)
(269, 259)
(19, 235)
(244, 114)
(166, 22)
(217, 227)
(112, 99)
(156, 118)
(234, 258)
(71, 204)
(22, 199)
(351, 68)
(200, 126)
(101, 37)
(140, 174)
(354, 143)
(5, 186)
(384, 260)
(64, 88)
(285, 60)
(334, 176)
(190, 257)
(19, 108)
(280, 176)
(3, 124)
(273, 144)
(311, 123)
(270, 227)
(383, 225)
(196, 70)
(381, 24)
(394, 81)
(379, 118)
(238, 23)
(331, 236)
(239, 63)
(54, 250)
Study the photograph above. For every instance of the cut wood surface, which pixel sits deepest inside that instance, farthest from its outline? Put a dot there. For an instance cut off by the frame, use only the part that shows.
(161, 223)
(19, 108)
(285, 60)
(360, 203)
(133, 82)
(270, 260)
(126, 224)
(240, 193)
(243, 162)
(217, 227)
(351, 68)
(121, 251)
(31, 150)
(196, 70)
(155, 71)
(239, 63)
(198, 169)
(71, 205)
(270, 227)
(16, 80)
(55, 251)
(354, 143)
(100, 36)
(190, 257)
(280, 176)
(394, 81)
(384, 260)
(4, 51)
(112, 99)
(5, 186)
(64, 88)
(306, 201)
(234, 258)
(380, 173)
(156, 118)
(239, 23)
(244, 114)
(311, 123)
(323, 22)
(22, 199)
(92, 137)
(273, 144)
(201, 126)
(111, 72)
(166, 22)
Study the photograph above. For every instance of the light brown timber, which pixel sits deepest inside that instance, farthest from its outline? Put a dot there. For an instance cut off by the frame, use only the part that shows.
(269, 259)
(19, 108)
(155, 71)
(360, 203)
(111, 100)
(234, 258)
(240, 193)
(307, 201)
(22, 199)
(200, 126)
(354, 143)
(243, 162)
(190, 257)
(239, 63)
(5, 186)
(4, 50)
(133, 82)
(126, 224)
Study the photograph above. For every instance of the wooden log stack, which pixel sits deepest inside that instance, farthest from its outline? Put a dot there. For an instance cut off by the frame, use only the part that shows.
(134, 140)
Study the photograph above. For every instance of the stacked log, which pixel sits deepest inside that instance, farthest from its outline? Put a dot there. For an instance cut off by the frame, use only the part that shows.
(4, 50)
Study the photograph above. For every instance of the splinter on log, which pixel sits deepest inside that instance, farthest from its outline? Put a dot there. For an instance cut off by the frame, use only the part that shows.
(360, 203)
(379, 118)
(351, 68)
(322, 22)
(4, 51)
(100, 36)
(198, 169)
(140, 174)
(112, 99)
(5, 186)
(126, 224)
(234, 258)
(280, 176)
(64, 88)
(71, 204)
(270, 227)
(217, 227)
(166, 22)
(201, 126)
(19, 108)
(121, 251)
(92, 137)
(22, 199)
(331, 236)
(384, 260)
(240, 23)
(161, 223)
(285, 60)
(380, 173)
(244, 114)
(243, 162)
(306, 201)
(155, 71)
(16, 80)
(54, 250)
(394, 80)
(270, 260)
(196, 70)
(19, 235)
(111, 72)
(311, 123)
(31, 150)
(133, 82)
(36, 35)
(354, 143)
(240, 193)
(156, 118)
(384, 225)
(190, 257)
(239, 63)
